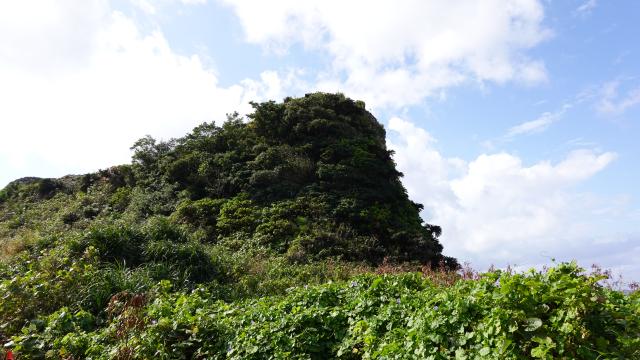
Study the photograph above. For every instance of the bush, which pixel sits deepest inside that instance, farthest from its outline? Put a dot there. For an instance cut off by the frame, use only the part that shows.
(189, 258)
(201, 213)
(114, 243)
(238, 215)
(120, 198)
(47, 187)
(160, 228)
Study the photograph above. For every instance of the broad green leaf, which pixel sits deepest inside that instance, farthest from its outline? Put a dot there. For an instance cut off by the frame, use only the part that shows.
(532, 324)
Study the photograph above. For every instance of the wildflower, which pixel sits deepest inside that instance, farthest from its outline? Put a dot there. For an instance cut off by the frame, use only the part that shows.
(398, 301)
(435, 307)
(354, 283)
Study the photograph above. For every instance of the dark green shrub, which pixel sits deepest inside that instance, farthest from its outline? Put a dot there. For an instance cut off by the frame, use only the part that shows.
(238, 215)
(189, 258)
(156, 200)
(160, 228)
(202, 213)
(91, 211)
(47, 187)
(70, 217)
(4, 195)
(277, 233)
(120, 198)
(115, 243)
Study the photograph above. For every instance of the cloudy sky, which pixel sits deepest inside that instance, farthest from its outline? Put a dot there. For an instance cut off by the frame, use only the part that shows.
(516, 123)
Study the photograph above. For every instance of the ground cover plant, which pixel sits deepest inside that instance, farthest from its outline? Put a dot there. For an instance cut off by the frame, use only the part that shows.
(285, 235)
(557, 313)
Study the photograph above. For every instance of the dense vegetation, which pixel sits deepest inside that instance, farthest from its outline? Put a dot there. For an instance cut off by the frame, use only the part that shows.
(288, 235)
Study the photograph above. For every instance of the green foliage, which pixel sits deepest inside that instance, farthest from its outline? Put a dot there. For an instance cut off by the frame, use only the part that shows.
(249, 240)
(41, 284)
(60, 335)
(120, 198)
(322, 147)
(556, 314)
(201, 213)
(238, 215)
(114, 243)
(158, 241)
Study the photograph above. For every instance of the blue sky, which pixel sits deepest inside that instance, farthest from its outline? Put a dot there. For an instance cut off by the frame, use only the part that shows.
(514, 122)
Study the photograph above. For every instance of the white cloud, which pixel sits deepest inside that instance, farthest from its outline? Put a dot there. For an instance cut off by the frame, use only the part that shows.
(587, 7)
(533, 126)
(152, 7)
(80, 83)
(497, 210)
(396, 54)
(145, 5)
(542, 122)
(57, 36)
(273, 86)
(538, 125)
(611, 103)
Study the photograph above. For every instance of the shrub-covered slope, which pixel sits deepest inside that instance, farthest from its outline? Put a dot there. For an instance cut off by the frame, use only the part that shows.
(260, 239)
(310, 178)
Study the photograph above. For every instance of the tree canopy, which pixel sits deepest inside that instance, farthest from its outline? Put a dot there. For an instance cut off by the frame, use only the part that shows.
(310, 176)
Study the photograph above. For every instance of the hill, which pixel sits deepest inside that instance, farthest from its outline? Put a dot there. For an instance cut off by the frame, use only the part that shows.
(261, 239)
(310, 178)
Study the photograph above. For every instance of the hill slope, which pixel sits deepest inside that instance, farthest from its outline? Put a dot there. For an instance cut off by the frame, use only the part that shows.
(310, 177)
(258, 239)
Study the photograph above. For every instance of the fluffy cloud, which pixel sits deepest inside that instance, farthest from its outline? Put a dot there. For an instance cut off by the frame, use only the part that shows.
(81, 82)
(414, 47)
(497, 210)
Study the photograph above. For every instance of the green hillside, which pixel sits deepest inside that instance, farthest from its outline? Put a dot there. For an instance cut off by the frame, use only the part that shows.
(285, 235)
